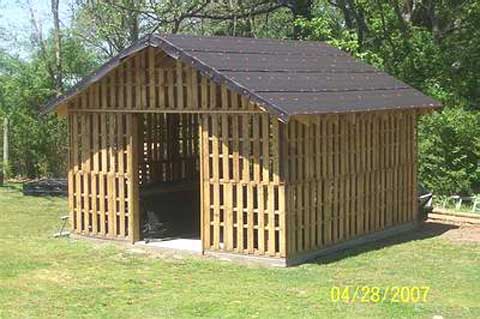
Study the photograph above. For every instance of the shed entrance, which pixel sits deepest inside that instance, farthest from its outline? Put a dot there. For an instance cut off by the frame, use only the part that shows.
(169, 176)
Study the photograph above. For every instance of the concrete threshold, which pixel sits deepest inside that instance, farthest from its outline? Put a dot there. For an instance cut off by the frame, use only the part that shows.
(179, 244)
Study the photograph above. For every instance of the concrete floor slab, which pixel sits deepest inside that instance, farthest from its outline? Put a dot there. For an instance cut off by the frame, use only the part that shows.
(185, 244)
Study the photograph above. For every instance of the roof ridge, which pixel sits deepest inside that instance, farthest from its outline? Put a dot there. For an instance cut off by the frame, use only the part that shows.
(239, 38)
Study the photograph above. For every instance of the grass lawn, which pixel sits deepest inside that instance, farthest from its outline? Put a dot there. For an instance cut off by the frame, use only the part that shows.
(43, 277)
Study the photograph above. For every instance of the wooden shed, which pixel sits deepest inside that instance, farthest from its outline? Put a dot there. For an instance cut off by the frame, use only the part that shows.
(279, 149)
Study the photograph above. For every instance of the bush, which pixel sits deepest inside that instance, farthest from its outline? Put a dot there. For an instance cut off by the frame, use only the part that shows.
(449, 151)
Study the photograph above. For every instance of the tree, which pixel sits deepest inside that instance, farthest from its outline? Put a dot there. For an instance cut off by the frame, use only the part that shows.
(38, 143)
(105, 27)
(53, 62)
(111, 25)
(57, 39)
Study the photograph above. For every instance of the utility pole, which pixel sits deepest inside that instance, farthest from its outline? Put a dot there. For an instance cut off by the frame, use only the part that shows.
(5, 146)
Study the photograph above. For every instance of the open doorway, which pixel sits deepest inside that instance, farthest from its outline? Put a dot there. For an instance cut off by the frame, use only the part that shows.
(170, 180)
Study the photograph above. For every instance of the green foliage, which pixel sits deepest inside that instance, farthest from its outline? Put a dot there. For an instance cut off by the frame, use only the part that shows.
(326, 28)
(106, 28)
(37, 143)
(450, 151)
(277, 25)
(433, 48)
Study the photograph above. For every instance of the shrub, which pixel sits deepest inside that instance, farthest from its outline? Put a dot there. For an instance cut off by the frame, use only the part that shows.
(449, 151)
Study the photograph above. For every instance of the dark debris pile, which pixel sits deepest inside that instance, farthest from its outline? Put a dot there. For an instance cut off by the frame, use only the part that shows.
(46, 187)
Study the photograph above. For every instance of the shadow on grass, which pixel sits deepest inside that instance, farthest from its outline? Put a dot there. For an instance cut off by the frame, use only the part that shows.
(424, 231)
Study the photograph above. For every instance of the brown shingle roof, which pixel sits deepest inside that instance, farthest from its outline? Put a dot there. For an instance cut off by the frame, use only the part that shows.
(287, 77)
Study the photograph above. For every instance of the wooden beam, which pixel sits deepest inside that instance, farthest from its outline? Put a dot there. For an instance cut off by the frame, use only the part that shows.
(160, 111)
(132, 174)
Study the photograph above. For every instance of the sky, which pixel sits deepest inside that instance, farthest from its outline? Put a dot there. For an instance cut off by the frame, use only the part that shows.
(15, 21)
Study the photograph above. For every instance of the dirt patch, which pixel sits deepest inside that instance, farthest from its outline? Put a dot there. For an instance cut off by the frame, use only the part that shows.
(460, 229)
(464, 234)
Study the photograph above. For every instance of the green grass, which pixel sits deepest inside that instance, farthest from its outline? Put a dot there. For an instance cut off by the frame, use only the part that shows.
(43, 277)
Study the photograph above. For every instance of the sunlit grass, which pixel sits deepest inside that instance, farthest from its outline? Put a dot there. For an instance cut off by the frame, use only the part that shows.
(43, 277)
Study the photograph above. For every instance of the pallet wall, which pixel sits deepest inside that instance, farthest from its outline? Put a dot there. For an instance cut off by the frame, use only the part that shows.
(150, 81)
(170, 147)
(348, 175)
(176, 108)
(103, 181)
(243, 197)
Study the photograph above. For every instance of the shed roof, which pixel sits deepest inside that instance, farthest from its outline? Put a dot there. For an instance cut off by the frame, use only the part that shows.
(287, 77)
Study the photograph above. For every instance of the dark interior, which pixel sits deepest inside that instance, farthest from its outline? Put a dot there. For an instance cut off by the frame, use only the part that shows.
(169, 177)
(170, 210)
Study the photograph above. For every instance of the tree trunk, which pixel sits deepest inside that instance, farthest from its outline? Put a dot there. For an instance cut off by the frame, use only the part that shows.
(301, 9)
(400, 17)
(57, 38)
(346, 13)
(132, 20)
(358, 13)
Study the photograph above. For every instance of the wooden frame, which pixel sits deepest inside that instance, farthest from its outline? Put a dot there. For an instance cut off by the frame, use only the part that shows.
(103, 181)
(348, 176)
(243, 196)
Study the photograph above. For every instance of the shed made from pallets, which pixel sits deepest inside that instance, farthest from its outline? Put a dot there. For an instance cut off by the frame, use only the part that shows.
(295, 148)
